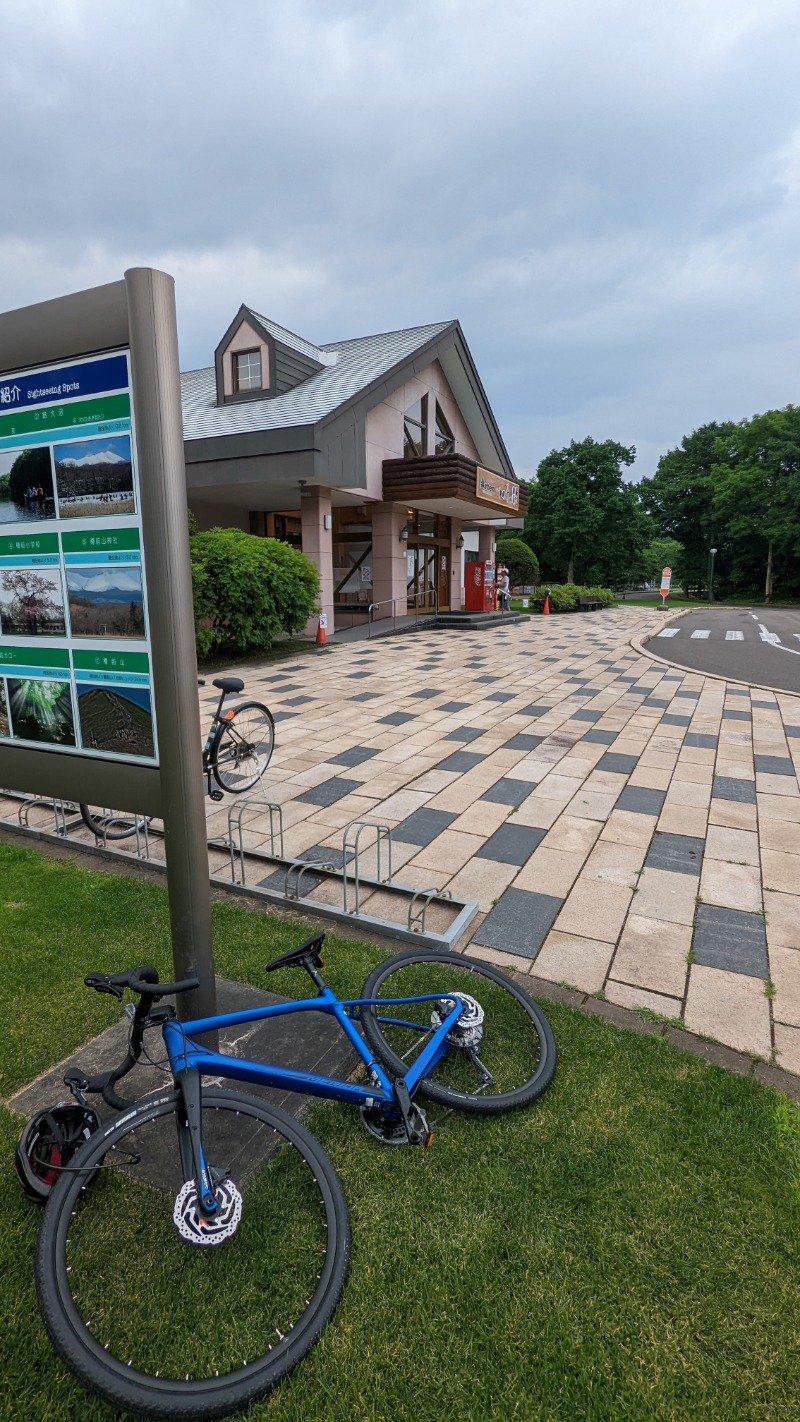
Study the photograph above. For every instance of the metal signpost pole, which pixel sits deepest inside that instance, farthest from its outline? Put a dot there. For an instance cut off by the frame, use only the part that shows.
(159, 437)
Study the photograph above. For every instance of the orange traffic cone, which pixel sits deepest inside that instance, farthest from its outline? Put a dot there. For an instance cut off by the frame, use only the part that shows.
(546, 608)
(322, 636)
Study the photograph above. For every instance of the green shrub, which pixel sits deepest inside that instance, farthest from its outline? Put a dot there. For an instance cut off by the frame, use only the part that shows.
(564, 597)
(522, 564)
(248, 589)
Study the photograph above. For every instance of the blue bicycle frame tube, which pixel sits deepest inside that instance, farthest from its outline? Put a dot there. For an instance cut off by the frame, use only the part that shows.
(185, 1054)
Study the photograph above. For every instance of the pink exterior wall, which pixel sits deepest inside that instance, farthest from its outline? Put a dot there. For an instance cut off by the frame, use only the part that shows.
(456, 585)
(246, 339)
(388, 559)
(385, 423)
(486, 536)
(315, 504)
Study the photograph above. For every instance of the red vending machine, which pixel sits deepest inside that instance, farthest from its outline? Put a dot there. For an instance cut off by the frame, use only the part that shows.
(479, 592)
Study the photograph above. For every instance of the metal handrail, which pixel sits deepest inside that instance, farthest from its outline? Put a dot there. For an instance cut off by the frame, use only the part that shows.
(432, 593)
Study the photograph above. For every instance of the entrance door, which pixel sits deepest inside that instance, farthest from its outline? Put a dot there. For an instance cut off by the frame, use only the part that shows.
(443, 555)
(421, 578)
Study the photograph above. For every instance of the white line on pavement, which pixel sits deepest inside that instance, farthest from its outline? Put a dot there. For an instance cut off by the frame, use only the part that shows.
(669, 632)
(701, 634)
(734, 636)
(774, 640)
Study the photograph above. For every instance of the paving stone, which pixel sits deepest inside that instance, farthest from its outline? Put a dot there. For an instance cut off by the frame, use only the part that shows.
(601, 738)
(507, 791)
(511, 844)
(736, 716)
(782, 914)
(452, 706)
(614, 862)
(366, 696)
(569, 958)
(787, 1047)
(624, 996)
(329, 791)
(734, 845)
(535, 710)
(676, 853)
(774, 764)
(586, 715)
(519, 923)
(730, 1007)
(619, 764)
(426, 693)
(785, 973)
(461, 761)
(595, 909)
(523, 741)
(732, 886)
(465, 733)
(725, 787)
(500, 696)
(730, 939)
(486, 678)
(701, 739)
(793, 731)
(422, 826)
(640, 801)
(666, 896)
(396, 718)
(672, 720)
(689, 695)
(356, 756)
(653, 954)
(299, 700)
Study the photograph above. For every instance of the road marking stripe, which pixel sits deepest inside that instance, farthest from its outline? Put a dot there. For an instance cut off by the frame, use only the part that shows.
(768, 636)
(669, 632)
(734, 636)
(701, 634)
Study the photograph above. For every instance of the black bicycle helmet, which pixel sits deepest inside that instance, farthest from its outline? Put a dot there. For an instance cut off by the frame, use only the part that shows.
(48, 1143)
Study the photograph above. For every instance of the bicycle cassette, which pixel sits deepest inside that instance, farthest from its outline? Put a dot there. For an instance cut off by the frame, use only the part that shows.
(468, 1029)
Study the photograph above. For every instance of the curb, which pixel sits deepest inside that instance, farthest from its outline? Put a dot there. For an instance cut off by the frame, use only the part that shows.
(636, 643)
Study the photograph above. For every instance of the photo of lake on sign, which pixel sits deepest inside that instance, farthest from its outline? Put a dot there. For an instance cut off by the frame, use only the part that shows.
(118, 719)
(26, 485)
(105, 603)
(94, 476)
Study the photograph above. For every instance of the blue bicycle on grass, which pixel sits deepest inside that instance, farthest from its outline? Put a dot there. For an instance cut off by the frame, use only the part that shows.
(192, 1251)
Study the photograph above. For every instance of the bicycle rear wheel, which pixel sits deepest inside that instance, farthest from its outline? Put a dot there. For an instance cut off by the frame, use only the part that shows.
(110, 824)
(242, 747)
(499, 1058)
(171, 1328)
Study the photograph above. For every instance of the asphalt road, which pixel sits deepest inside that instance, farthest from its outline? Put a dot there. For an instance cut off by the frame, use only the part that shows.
(759, 645)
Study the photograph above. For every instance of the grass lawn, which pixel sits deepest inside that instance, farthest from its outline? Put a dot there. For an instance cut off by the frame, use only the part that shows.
(625, 1249)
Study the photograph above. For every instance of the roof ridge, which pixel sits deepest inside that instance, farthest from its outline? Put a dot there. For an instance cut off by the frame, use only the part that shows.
(291, 338)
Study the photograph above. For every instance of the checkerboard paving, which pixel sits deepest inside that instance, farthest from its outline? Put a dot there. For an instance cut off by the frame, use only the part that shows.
(626, 827)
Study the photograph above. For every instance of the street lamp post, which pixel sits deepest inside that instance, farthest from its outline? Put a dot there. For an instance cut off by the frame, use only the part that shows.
(712, 551)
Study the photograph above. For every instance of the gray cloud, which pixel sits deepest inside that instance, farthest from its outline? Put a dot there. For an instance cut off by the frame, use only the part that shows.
(606, 195)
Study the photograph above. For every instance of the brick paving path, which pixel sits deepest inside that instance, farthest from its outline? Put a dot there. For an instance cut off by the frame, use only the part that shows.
(627, 828)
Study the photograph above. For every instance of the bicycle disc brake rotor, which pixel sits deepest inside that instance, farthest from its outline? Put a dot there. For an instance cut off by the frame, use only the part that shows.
(468, 1030)
(194, 1227)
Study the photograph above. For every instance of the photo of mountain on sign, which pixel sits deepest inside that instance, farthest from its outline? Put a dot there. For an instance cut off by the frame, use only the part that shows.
(105, 603)
(116, 719)
(94, 476)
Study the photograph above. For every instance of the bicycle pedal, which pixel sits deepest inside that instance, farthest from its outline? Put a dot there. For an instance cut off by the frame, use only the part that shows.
(217, 795)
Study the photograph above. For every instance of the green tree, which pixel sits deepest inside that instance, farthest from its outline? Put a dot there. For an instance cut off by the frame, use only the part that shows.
(583, 520)
(522, 563)
(661, 553)
(31, 468)
(248, 589)
(756, 498)
(680, 501)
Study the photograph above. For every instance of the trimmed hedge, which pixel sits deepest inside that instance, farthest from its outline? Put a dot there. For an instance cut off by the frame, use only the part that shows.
(248, 589)
(564, 597)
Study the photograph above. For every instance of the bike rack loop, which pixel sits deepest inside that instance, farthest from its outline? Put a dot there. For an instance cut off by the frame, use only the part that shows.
(301, 867)
(416, 913)
(384, 833)
(58, 807)
(236, 816)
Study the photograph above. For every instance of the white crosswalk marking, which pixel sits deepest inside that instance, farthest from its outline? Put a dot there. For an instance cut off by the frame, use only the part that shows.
(734, 636)
(701, 634)
(669, 632)
(768, 636)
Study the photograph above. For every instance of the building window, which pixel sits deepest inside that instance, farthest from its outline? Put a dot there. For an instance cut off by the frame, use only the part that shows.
(444, 441)
(415, 430)
(246, 370)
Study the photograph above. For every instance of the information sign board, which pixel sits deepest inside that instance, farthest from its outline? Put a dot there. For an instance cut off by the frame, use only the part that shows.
(75, 663)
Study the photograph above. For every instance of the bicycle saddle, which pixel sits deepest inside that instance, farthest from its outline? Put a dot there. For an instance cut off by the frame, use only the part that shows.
(309, 949)
(229, 684)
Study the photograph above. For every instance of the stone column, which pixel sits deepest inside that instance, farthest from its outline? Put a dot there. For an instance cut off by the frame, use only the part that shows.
(486, 535)
(315, 511)
(388, 559)
(456, 567)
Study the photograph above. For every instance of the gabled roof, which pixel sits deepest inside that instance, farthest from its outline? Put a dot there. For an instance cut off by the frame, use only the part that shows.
(349, 367)
(295, 343)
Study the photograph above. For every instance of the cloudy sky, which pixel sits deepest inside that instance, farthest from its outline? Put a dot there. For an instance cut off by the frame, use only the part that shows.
(606, 193)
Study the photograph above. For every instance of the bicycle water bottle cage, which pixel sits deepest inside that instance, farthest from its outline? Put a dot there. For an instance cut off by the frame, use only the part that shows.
(297, 957)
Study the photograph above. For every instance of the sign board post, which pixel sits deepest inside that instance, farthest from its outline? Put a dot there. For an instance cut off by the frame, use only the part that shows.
(666, 584)
(98, 673)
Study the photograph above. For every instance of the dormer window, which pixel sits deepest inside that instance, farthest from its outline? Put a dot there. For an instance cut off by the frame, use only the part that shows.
(246, 371)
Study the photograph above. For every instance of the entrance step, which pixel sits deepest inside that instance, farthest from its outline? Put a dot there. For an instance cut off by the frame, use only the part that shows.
(478, 621)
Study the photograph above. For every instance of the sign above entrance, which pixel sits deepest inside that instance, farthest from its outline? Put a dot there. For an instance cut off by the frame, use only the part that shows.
(495, 490)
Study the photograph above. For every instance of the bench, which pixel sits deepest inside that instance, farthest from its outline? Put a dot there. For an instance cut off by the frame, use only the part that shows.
(587, 604)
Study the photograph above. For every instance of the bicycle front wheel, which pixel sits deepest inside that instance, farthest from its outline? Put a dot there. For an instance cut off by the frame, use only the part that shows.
(160, 1324)
(242, 747)
(500, 1055)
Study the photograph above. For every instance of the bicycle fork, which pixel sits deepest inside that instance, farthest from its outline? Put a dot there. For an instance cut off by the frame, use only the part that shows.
(190, 1143)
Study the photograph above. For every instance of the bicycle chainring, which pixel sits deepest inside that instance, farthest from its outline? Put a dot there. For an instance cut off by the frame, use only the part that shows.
(194, 1227)
(389, 1130)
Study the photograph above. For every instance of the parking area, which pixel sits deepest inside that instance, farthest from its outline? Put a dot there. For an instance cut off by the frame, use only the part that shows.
(760, 645)
(628, 828)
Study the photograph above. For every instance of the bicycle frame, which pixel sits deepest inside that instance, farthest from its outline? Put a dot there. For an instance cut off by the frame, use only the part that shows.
(190, 1062)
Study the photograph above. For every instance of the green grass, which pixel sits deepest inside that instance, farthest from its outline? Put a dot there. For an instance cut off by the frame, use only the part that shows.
(625, 1249)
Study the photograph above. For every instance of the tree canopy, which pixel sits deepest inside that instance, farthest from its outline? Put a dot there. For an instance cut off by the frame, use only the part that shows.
(522, 563)
(584, 522)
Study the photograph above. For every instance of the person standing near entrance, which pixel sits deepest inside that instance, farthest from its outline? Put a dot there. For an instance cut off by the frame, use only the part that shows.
(503, 588)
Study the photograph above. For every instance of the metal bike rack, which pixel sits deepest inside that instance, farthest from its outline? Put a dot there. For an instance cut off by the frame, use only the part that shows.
(418, 907)
(384, 835)
(58, 807)
(299, 867)
(236, 817)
